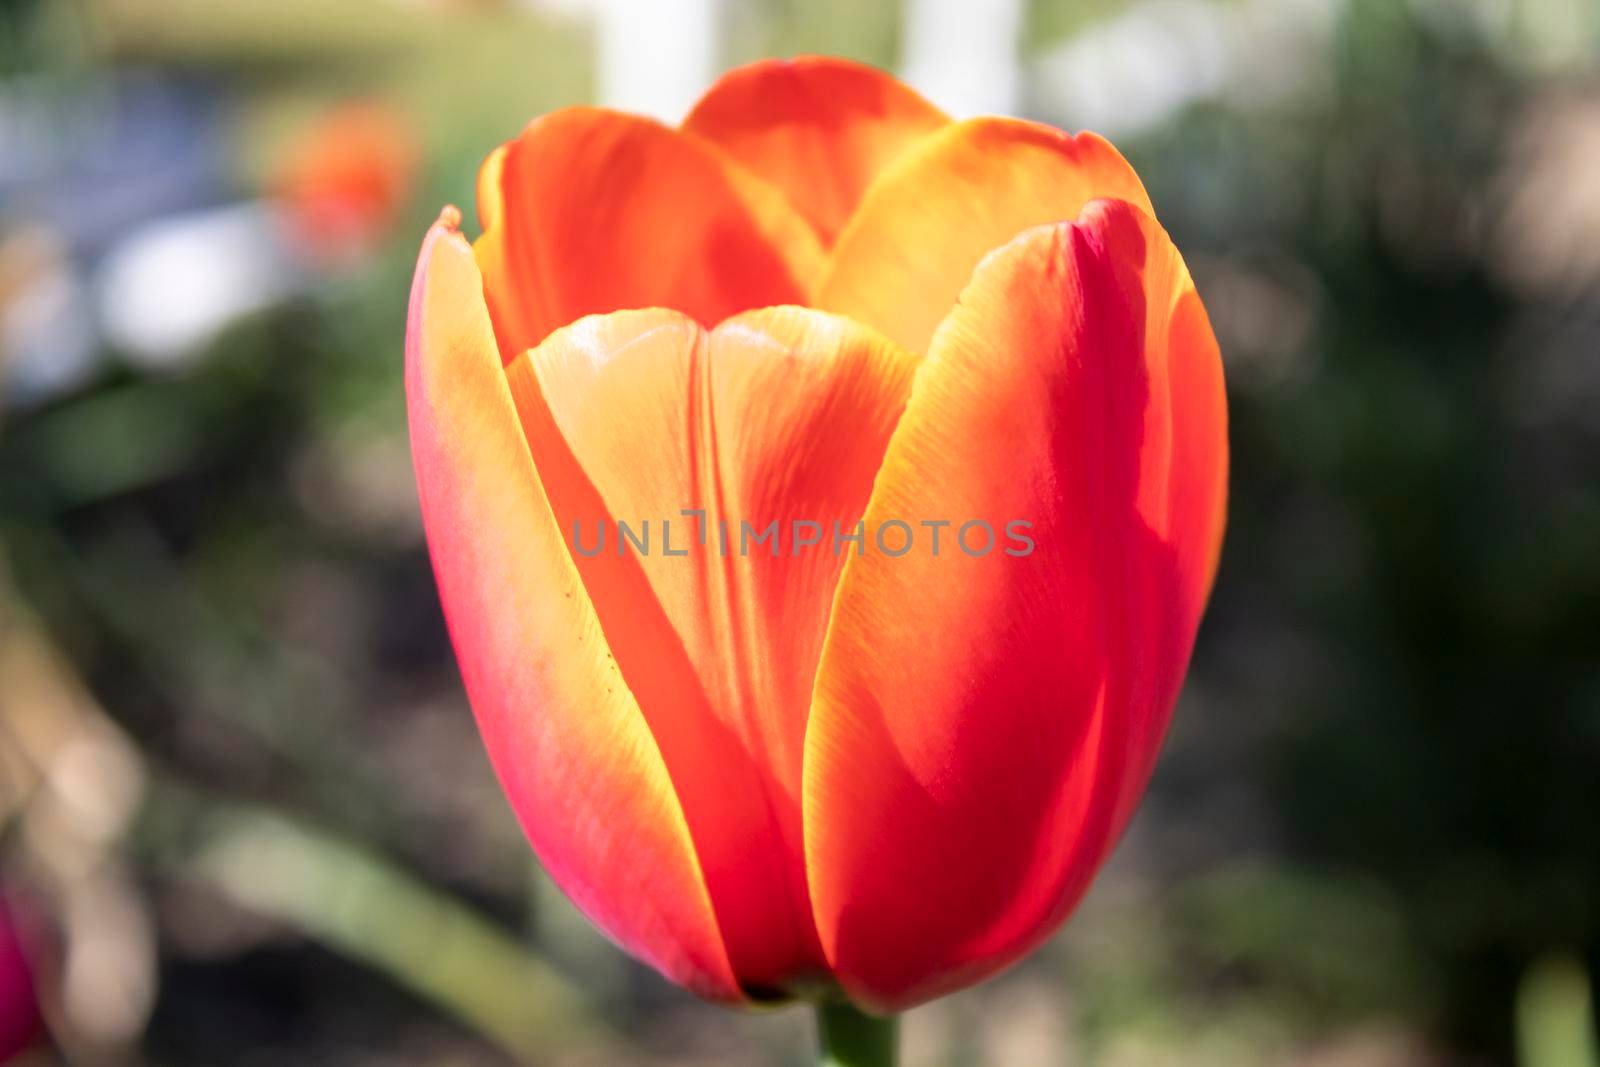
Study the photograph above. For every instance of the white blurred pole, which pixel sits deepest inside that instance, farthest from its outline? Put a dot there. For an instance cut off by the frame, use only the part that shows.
(656, 56)
(962, 54)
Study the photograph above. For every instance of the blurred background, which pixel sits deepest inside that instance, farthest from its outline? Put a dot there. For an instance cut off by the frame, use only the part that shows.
(244, 815)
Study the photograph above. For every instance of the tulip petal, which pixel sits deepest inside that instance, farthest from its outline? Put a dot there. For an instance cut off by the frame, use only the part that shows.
(591, 211)
(984, 725)
(573, 752)
(489, 178)
(954, 197)
(775, 415)
(816, 127)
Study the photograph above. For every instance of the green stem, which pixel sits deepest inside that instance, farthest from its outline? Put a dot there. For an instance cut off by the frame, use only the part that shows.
(849, 1037)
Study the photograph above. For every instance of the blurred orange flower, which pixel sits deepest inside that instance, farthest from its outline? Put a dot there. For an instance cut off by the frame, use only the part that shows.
(892, 766)
(345, 179)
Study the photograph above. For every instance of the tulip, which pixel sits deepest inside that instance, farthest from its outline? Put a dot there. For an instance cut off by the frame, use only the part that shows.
(869, 774)
(342, 183)
(21, 1027)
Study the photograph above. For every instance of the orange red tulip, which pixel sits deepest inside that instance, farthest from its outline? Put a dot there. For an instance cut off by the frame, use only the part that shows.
(817, 299)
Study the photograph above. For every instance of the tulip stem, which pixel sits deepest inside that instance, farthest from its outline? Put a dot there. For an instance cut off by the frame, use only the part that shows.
(849, 1037)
